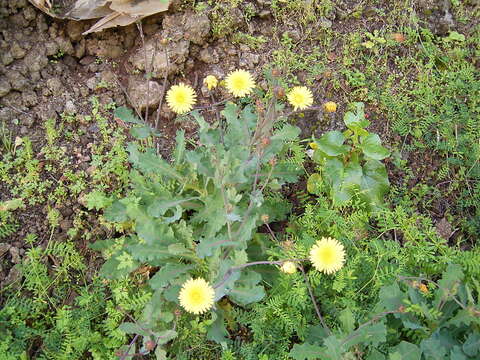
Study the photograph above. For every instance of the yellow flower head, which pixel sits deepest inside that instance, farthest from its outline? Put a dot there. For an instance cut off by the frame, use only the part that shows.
(196, 296)
(239, 83)
(313, 145)
(288, 267)
(330, 106)
(181, 98)
(300, 97)
(211, 82)
(327, 255)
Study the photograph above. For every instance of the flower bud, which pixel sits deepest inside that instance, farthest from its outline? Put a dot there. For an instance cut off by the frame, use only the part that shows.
(265, 141)
(276, 72)
(313, 145)
(164, 41)
(273, 161)
(150, 345)
(265, 218)
(210, 82)
(279, 92)
(288, 267)
(330, 107)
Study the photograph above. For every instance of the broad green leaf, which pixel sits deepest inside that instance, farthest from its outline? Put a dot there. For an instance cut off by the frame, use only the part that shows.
(207, 245)
(390, 298)
(356, 120)
(117, 212)
(471, 347)
(141, 132)
(314, 184)
(167, 273)
(457, 354)
(125, 114)
(161, 205)
(334, 349)
(433, 349)
(179, 152)
(149, 162)
(149, 253)
(110, 269)
(160, 353)
(405, 351)
(306, 351)
(331, 143)
(246, 290)
(165, 336)
(217, 331)
(375, 355)
(452, 276)
(372, 147)
(132, 328)
(372, 334)
(347, 320)
(374, 184)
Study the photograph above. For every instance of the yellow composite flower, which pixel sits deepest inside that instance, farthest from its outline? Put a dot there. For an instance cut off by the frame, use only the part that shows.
(327, 255)
(211, 82)
(239, 83)
(330, 106)
(288, 267)
(196, 296)
(181, 98)
(300, 97)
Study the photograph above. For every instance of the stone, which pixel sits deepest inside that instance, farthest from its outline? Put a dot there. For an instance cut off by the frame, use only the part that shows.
(91, 83)
(177, 55)
(15, 255)
(65, 46)
(74, 30)
(51, 48)
(7, 58)
(16, 51)
(13, 276)
(209, 56)
(197, 27)
(4, 247)
(4, 87)
(54, 85)
(17, 80)
(29, 13)
(70, 107)
(29, 98)
(36, 59)
(143, 95)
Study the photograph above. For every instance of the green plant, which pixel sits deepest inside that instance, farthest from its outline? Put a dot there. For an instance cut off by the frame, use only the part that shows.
(196, 217)
(416, 318)
(349, 163)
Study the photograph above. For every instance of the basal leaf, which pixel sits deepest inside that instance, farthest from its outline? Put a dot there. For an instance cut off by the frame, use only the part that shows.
(331, 143)
(405, 351)
(372, 147)
(126, 114)
(167, 273)
(306, 351)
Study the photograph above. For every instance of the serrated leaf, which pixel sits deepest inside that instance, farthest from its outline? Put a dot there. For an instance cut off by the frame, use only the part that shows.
(306, 351)
(141, 132)
(217, 331)
(110, 269)
(132, 328)
(347, 320)
(149, 162)
(331, 143)
(167, 273)
(117, 212)
(149, 253)
(314, 183)
(334, 349)
(373, 334)
(165, 336)
(160, 206)
(471, 347)
(372, 147)
(179, 152)
(405, 351)
(125, 114)
(374, 184)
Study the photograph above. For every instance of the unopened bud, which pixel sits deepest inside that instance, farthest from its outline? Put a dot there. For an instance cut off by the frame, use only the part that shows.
(273, 161)
(266, 141)
(164, 41)
(177, 312)
(150, 345)
(276, 72)
(265, 218)
(288, 267)
(279, 92)
(401, 309)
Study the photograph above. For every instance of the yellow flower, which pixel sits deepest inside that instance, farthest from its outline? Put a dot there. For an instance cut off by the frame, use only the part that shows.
(313, 145)
(300, 97)
(330, 106)
(327, 255)
(196, 296)
(288, 267)
(239, 83)
(211, 82)
(181, 98)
